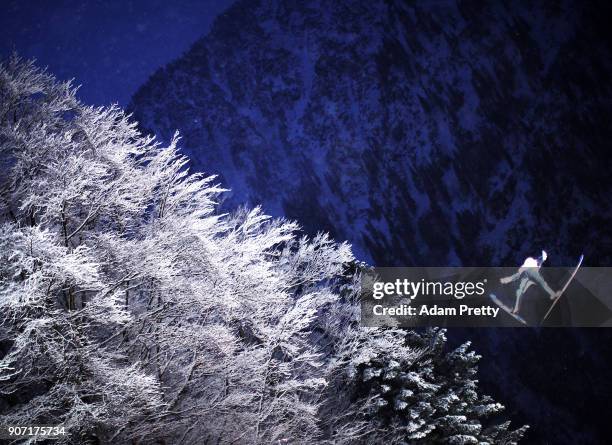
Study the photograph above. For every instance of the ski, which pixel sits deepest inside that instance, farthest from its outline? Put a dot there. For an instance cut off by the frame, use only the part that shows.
(563, 289)
(498, 302)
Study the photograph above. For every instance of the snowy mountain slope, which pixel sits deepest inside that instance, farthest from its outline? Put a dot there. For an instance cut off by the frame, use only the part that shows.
(441, 133)
(430, 133)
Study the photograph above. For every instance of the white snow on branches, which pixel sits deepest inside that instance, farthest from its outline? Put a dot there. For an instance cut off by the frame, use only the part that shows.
(131, 310)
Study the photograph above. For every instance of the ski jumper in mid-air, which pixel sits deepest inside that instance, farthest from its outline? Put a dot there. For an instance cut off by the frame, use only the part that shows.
(528, 274)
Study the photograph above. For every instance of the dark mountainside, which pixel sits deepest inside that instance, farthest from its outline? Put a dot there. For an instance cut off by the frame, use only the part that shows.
(439, 134)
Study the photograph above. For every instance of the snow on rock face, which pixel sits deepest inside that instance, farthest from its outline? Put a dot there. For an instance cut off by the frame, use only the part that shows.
(439, 133)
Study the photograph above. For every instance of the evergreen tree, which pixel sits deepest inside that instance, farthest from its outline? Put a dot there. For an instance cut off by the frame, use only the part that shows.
(406, 389)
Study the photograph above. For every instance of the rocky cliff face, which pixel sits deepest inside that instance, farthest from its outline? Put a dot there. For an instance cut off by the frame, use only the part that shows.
(437, 133)
(430, 133)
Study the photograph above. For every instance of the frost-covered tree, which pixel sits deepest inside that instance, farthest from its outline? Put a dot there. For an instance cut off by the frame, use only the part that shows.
(131, 311)
(405, 389)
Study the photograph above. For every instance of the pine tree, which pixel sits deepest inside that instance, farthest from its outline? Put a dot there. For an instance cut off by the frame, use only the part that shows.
(400, 387)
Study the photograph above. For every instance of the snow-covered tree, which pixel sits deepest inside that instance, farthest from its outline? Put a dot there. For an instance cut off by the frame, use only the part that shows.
(132, 311)
(405, 388)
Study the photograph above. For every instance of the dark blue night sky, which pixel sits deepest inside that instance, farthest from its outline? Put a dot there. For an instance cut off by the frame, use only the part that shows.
(110, 48)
